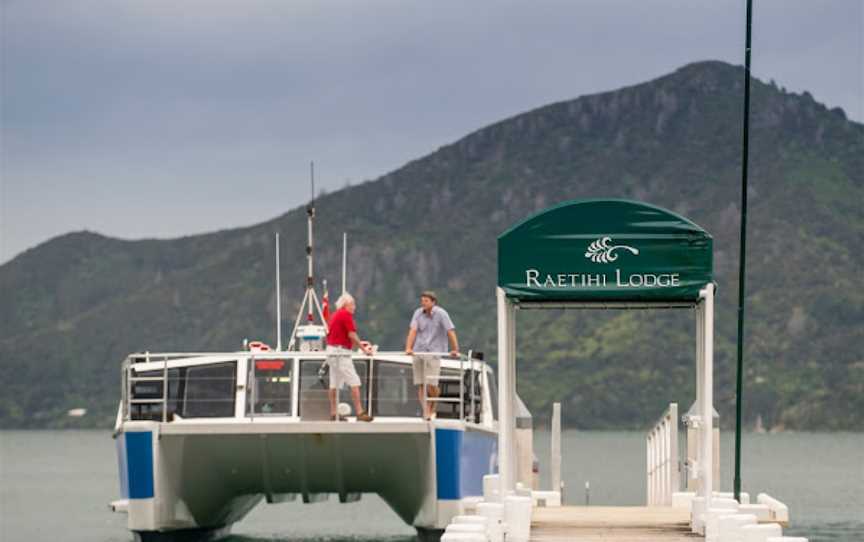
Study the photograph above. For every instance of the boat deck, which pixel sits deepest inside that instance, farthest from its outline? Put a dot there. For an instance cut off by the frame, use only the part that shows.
(610, 523)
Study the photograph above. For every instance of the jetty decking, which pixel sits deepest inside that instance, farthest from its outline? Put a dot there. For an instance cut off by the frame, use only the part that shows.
(610, 523)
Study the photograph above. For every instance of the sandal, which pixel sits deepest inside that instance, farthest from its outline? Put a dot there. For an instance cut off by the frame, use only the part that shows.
(364, 417)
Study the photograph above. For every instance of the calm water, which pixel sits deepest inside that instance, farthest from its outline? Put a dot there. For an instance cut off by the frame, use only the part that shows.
(54, 485)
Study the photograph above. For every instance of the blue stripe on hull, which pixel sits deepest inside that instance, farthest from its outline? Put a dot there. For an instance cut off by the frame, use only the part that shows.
(448, 446)
(139, 463)
(462, 458)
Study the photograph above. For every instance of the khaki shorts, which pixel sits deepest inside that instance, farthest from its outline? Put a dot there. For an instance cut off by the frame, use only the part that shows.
(427, 369)
(342, 369)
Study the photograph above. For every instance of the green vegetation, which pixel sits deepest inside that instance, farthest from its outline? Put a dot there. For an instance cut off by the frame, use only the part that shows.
(72, 308)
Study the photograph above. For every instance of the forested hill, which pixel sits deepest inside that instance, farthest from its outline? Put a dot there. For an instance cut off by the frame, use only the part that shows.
(73, 307)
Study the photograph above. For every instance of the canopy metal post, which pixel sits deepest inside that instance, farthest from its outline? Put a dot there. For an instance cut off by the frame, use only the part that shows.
(511, 393)
(694, 431)
(506, 393)
(700, 358)
(555, 447)
(745, 151)
(706, 463)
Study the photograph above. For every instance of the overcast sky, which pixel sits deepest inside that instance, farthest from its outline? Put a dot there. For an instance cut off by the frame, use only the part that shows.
(162, 118)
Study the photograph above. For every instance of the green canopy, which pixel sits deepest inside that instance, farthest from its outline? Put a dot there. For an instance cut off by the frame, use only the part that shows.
(604, 250)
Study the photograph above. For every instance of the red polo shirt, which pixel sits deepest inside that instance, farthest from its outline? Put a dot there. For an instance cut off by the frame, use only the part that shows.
(340, 324)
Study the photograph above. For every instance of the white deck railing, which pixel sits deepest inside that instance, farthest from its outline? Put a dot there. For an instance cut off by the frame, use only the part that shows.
(467, 399)
(662, 459)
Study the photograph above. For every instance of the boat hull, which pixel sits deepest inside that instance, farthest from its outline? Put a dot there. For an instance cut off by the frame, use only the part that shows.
(180, 476)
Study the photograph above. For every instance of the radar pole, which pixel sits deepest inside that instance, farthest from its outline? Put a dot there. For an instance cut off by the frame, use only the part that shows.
(310, 302)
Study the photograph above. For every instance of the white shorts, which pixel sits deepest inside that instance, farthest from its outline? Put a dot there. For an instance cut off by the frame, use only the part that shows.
(342, 369)
(427, 369)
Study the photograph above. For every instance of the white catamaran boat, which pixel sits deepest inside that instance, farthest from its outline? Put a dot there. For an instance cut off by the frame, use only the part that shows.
(204, 437)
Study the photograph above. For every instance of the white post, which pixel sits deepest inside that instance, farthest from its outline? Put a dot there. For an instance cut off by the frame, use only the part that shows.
(694, 481)
(649, 449)
(648, 495)
(706, 461)
(278, 302)
(666, 493)
(700, 357)
(344, 262)
(673, 451)
(658, 459)
(505, 400)
(511, 392)
(655, 460)
(555, 447)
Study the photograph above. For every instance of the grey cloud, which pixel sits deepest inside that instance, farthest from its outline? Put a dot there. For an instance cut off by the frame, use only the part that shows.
(109, 107)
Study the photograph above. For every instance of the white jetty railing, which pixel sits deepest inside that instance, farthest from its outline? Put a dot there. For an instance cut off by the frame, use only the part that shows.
(662, 459)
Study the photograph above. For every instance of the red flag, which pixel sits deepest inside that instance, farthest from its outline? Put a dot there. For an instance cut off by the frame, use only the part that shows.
(325, 305)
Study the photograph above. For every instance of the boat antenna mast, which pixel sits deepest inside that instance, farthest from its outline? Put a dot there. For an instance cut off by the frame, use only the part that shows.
(344, 263)
(310, 303)
(278, 301)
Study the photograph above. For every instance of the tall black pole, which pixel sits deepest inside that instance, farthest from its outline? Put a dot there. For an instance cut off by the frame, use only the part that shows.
(739, 385)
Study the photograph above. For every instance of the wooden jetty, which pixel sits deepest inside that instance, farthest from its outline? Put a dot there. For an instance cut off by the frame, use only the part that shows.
(611, 523)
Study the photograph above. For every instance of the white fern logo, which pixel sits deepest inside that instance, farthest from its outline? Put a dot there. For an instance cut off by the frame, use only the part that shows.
(602, 251)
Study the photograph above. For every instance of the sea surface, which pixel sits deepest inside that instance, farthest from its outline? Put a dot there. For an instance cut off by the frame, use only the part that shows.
(55, 486)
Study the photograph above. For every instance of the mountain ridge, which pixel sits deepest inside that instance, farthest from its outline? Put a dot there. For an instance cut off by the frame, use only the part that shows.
(673, 141)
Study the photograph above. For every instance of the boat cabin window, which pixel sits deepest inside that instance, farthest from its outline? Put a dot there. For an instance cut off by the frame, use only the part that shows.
(152, 389)
(314, 382)
(205, 391)
(209, 391)
(271, 389)
(394, 393)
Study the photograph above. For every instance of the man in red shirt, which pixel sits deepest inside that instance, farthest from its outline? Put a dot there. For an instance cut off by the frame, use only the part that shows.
(341, 338)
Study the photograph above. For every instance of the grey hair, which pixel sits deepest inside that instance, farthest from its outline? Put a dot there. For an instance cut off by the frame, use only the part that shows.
(344, 299)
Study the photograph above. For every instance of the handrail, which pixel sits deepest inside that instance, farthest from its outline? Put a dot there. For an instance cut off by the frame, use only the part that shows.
(130, 379)
(471, 376)
(160, 375)
(461, 378)
(662, 463)
(139, 357)
(165, 389)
